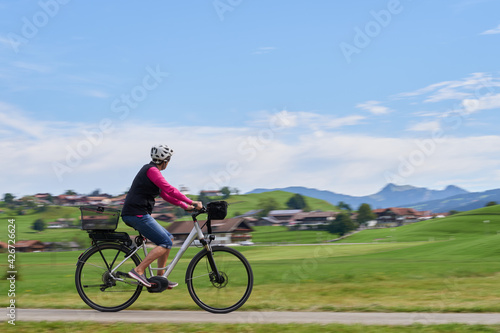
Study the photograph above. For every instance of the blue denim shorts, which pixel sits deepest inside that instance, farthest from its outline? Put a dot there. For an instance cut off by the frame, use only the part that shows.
(150, 229)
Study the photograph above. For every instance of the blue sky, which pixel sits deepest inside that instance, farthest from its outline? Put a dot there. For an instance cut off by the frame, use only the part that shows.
(343, 96)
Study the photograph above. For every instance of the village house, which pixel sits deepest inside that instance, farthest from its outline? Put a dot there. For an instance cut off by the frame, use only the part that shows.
(296, 219)
(118, 201)
(228, 231)
(212, 193)
(279, 217)
(70, 200)
(311, 220)
(30, 246)
(103, 199)
(62, 246)
(43, 198)
(61, 223)
(398, 216)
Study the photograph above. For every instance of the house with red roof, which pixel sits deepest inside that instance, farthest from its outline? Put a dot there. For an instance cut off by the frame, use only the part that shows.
(398, 216)
(228, 231)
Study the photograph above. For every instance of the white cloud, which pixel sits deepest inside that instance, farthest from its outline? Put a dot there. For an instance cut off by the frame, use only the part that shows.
(426, 126)
(493, 31)
(483, 103)
(421, 91)
(317, 121)
(303, 119)
(344, 121)
(15, 123)
(54, 157)
(373, 107)
(475, 85)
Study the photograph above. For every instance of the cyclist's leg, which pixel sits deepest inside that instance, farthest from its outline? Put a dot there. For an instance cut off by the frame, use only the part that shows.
(162, 260)
(153, 231)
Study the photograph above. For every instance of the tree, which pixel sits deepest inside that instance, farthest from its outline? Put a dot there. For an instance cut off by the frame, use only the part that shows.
(38, 225)
(28, 202)
(179, 212)
(70, 192)
(365, 213)
(453, 212)
(8, 198)
(297, 201)
(343, 206)
(341, 225)
(203, 198)
(96, 192)
(226, 192)
(491, 203)
(267, 205)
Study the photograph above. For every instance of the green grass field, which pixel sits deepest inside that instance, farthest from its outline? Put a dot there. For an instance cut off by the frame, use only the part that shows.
(441, 265)
(444, 265)
(280, 235)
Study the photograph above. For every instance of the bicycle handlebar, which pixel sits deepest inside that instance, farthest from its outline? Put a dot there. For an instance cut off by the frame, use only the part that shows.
(198, 212)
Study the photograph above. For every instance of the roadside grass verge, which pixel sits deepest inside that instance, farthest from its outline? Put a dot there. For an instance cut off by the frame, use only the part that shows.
(83, 327)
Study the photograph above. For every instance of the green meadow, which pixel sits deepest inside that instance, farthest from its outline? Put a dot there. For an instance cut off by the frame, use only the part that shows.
(441, 265)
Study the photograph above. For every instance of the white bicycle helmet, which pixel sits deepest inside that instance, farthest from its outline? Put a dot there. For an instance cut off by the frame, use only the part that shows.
(160, 153)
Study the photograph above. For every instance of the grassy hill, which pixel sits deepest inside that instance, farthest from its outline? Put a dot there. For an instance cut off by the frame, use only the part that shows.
(51, 213)
(239, 204)
(466, 225)
(465, 237)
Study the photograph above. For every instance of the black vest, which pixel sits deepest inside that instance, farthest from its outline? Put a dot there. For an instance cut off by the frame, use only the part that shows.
(140, 199)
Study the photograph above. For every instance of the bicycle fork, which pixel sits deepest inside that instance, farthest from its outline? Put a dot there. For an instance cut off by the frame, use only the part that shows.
(210, 256)
(207, 245)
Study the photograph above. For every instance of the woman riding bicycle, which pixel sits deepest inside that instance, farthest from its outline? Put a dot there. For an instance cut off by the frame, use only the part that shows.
(139, 204)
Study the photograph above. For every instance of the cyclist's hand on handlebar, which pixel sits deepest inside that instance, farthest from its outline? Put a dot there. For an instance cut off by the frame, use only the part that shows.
(195, 205)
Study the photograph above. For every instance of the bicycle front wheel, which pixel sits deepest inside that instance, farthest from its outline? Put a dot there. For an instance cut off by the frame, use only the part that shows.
(100, 284)
(222, 295)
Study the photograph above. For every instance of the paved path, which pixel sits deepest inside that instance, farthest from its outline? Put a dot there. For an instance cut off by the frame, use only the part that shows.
(242, 317)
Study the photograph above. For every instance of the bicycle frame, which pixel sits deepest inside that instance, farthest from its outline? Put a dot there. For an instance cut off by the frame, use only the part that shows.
(196, 232)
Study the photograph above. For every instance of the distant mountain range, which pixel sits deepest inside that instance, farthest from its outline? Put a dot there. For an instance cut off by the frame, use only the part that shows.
(437, 201)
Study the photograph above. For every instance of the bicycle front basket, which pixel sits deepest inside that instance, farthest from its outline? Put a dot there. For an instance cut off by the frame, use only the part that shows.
(217, 210)
(99, 218)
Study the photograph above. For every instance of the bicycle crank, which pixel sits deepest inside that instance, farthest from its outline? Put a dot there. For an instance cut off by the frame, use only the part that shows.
(158, 284)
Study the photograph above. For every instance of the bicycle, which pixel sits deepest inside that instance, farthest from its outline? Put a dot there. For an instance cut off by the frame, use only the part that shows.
(219, 278)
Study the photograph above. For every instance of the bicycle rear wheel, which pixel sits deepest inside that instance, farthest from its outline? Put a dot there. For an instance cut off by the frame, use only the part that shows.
(98, 286)
(219, 296)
